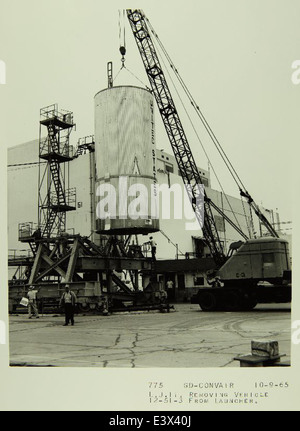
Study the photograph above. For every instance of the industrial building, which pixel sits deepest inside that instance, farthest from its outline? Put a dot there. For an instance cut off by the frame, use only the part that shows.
(23, 171)
(86, 214)
(177, 246)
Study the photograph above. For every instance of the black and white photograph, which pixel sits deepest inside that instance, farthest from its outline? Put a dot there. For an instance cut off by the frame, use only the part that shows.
(149, 185)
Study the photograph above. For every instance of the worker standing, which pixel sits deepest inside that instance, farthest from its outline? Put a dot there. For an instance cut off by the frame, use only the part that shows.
(68, 300)
(32, 304)
(153, 247)
(170, 286)
(37, 234)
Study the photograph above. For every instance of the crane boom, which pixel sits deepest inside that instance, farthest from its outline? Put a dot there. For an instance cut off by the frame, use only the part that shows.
(179, 143)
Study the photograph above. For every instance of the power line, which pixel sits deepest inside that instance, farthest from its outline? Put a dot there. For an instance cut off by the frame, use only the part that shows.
(25, 164)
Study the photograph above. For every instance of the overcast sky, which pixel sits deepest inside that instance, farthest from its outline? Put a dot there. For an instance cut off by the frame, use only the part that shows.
(235, 56)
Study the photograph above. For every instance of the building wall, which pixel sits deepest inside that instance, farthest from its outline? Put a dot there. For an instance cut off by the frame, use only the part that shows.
(79, 221)
(22, 184)
(176, 236)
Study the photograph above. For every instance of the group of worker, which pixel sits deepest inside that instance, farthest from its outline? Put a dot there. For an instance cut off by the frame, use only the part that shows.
(67, 300)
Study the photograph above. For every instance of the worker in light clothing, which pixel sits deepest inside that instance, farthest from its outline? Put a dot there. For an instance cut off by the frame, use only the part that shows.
(32, 304)
(170, 286)
(68, 300)
(153, 247)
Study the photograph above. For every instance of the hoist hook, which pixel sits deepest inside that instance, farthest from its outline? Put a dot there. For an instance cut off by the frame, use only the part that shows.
(123, 52)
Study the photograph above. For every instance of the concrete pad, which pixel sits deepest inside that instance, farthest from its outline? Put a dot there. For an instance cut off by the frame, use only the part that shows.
(187, 337)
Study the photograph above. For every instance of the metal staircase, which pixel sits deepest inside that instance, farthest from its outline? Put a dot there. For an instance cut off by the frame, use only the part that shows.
(57, 199)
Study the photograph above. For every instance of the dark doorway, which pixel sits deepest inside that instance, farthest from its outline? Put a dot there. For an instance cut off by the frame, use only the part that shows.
(170, 285)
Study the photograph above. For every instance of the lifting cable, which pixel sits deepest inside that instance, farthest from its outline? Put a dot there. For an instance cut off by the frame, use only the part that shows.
(122, 32)
(122, 35)
(131, 73)
(122, 48)
(249, 225)
(141, 82)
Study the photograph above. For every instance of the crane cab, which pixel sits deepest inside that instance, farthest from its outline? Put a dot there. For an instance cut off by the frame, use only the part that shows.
(262, 259)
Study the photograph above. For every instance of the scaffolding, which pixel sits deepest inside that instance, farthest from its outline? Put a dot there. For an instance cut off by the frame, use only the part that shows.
(56, 198)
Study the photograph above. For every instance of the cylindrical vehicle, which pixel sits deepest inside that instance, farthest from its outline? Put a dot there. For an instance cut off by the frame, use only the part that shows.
(125, 157)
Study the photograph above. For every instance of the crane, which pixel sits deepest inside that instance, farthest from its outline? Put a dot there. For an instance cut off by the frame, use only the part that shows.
(239, 266)
(177, 137)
